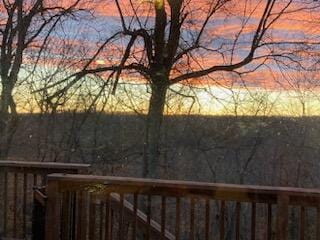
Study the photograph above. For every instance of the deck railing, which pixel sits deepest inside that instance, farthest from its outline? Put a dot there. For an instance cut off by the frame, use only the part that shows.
(70, 206)
(16, 193)
(94, 207)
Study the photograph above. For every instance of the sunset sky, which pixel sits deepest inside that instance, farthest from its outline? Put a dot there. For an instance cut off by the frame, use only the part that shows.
(295, 25)
(228, 33)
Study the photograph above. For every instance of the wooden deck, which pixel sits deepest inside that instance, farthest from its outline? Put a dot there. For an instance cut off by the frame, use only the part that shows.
(69, 205)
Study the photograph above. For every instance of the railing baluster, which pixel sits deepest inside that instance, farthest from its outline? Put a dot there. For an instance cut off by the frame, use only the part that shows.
(73, 197)
(302, 220)
(92, 217)
(282, 217)
(269, 222)
(111, 223)
(24, 206)
(192, 206)
(5, 204)
(238, 210)
(148, 217)
(35, 179)
(82, 216)
(318, 221)
(78, 214)
(163, 217)
(43, 179)
(38, 215)
(222, 216)
(253, 221)
(107, 223)
(65, 216)
(134, 224)
(101, 211)
(15, 194)
(178, 213)
(121, 233)
(207, 230)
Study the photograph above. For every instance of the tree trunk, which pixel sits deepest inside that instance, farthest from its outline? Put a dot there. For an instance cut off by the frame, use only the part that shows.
(153, 129)
(8, 119)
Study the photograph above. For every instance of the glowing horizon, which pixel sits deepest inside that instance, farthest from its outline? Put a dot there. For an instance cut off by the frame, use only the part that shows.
(209, 100)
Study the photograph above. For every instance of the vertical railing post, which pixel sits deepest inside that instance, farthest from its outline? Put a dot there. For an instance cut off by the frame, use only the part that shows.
(282, 216)
(68, 216)
(5, 204)
(53, 211)
(38, 214)
(318, 221)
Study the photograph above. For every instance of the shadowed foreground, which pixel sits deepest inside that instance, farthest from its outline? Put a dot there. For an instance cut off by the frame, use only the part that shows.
(68, 205)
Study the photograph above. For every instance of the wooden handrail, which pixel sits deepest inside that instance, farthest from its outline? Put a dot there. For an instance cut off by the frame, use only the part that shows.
(219, 191)
(100, 187)
(52, 167)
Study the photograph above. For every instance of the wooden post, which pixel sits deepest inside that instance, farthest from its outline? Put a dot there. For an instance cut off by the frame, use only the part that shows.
(53, 212)
(318, 221)
(66, 216)
(38, 215)
(282, 217)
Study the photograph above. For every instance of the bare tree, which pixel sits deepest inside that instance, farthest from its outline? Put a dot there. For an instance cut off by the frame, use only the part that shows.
(302, 86)
(25, 25)
(172, 42)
